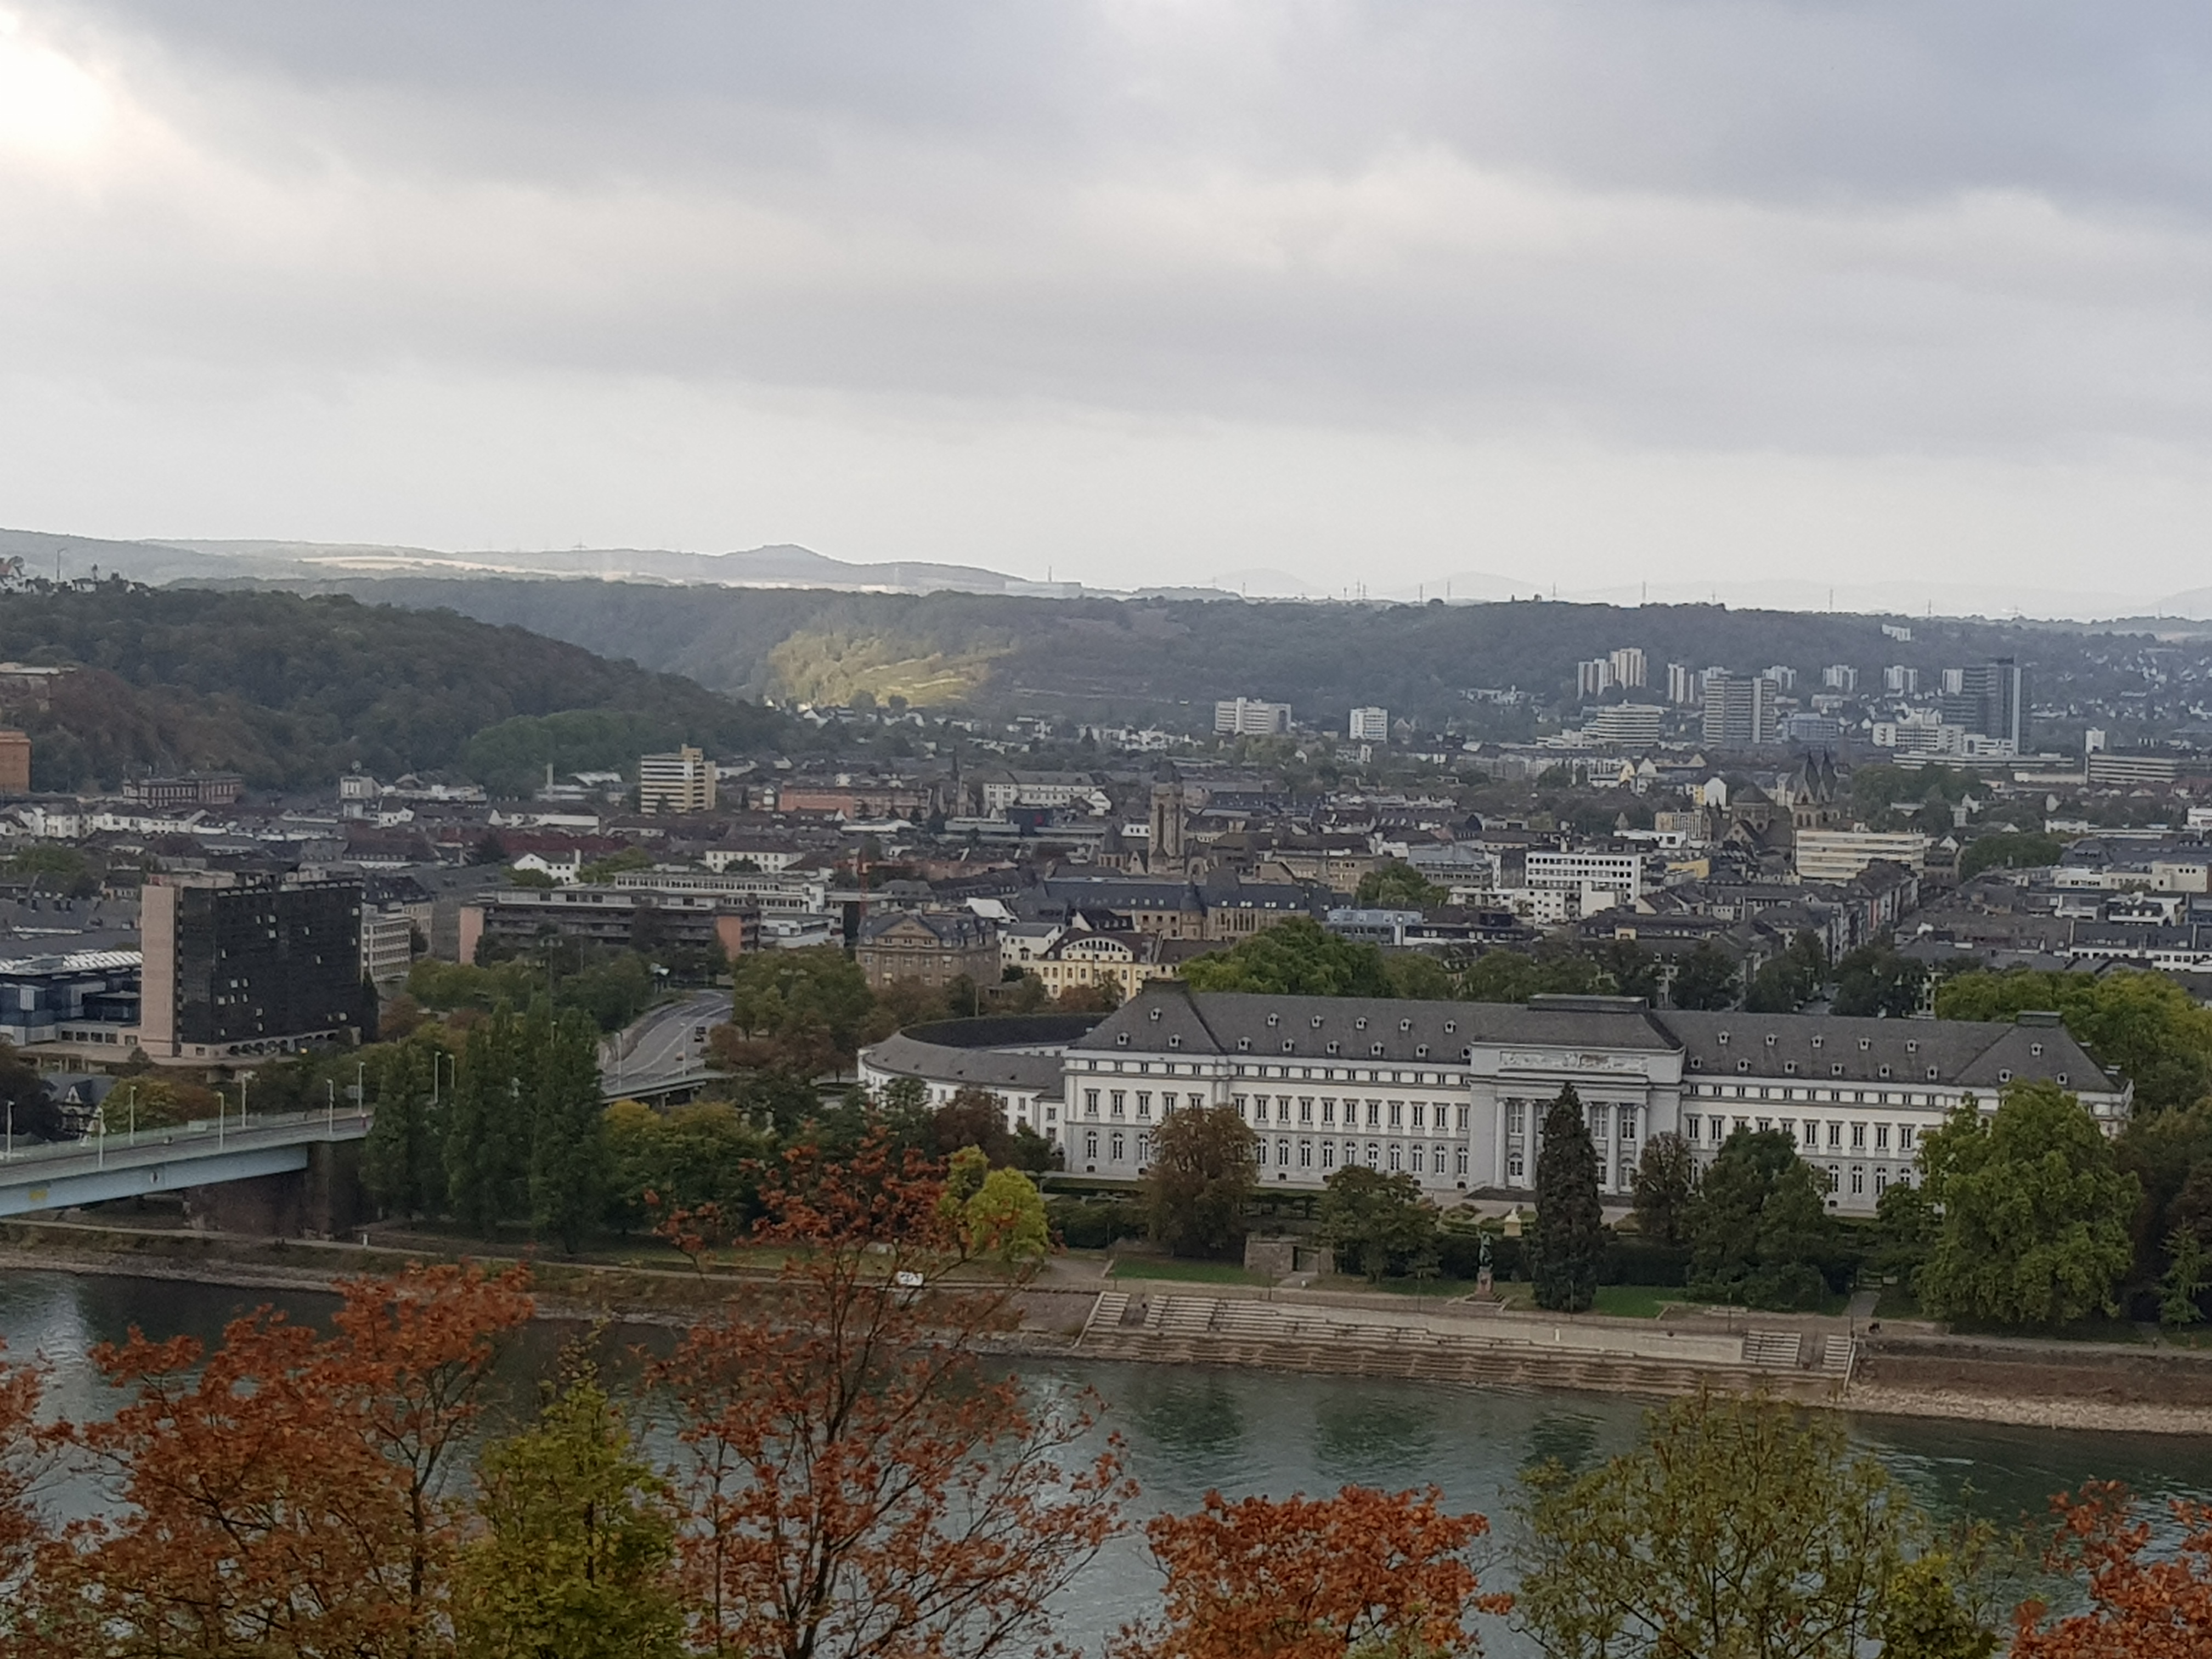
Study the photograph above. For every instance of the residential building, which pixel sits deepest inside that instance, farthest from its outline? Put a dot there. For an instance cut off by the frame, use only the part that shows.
(193, 789)
(1740, 710)
(1684, 685)
(681, 782)
(1370, 726)
(1630, 723)
(1593, 678)
(1899, 681)
(1246, 717)
(240, 964)
(1784, 678)
(387, 946)
(1988, 699)
(932, 946)
(1839, 677)
(622, 918)
(1840, 855)
(1628, 666)
(1121, 961)
(15, 764)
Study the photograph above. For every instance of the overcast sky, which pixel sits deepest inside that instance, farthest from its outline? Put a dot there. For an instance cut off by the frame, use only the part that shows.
(1586, 293)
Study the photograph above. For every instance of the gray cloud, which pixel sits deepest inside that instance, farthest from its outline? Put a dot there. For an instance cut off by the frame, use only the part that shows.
(1805, 249)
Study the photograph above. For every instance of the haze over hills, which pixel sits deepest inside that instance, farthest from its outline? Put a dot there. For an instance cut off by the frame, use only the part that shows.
(162, 560)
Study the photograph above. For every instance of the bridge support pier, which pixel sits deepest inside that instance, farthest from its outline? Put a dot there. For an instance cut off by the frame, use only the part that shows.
(325, 1198)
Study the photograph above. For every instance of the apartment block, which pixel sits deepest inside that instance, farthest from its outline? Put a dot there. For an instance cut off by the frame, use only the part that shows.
(1246, 717)
(1370, 726)
(681, 782)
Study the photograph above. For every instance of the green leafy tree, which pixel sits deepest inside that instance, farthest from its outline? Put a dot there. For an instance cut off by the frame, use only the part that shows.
(802, 1005)
(2188, 1275)
(1787, 981)
(1201, 1178)
(1380, 1223)
(1570, 1233)
(1666, 1191)
(487, 1130)
(2141, 1025)
(402, 1159)
(689, 1157)
(577, 1555)
(1398, 886)
(1419, 976)
(1298, 958)
(1515, 976)
(1738, 1530)
(1705, 978)
(2035, 1212)
(2009, 850)
(996, 1214)
(567, 1125)
(1875, 978)
(1760, 1226)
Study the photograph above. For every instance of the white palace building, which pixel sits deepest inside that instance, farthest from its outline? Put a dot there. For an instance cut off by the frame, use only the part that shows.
(1453, 1093)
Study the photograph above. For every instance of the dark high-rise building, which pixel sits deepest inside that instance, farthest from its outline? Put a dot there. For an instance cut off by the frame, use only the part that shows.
(238, 964)
(1991, 702)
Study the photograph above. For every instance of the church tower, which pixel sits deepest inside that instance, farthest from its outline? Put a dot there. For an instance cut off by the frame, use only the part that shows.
(1167, 857)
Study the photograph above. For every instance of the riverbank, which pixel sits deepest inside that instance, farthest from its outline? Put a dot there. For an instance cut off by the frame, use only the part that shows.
(2035, 1384)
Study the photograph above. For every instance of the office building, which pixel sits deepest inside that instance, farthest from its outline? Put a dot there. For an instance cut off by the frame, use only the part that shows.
(1631, 723)
(88, 998)
(193, 789)
(623, 918)
(1740, 710)
(1371, 725)
(1628, 666)
(1619, 873)
(244, 964)
(681, 782)
(1246, 717)
(1814, 730)
(1840, 855)
(1988, 699)
(933, 947)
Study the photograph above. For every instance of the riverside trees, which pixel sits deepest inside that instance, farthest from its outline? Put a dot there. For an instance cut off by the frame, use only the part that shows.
(1569, 1232)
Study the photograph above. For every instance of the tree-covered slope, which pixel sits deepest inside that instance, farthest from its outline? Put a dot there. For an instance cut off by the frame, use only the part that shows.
(291, 691)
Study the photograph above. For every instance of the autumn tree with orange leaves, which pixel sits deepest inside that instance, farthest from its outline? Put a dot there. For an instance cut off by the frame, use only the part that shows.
(2138, 1608)
(857, 1484)
(288, 1494)
(1365, 1571)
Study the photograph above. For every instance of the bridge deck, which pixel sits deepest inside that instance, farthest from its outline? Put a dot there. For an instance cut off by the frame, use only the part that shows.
(198, 1154)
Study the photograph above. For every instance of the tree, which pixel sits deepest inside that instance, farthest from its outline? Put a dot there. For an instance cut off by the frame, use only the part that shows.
(2160, 1608)
(1737, 1528)
(1666, 1188)
(857, 1483)
(577, 1554)
(29, 1446)
(1570, 1233)
(995, 1213)
(1381, 1223)
(1875, 978)
(568, 1130)
(403, 1158)
(2141, 1025)
(2028, 849)
(1397, 886)
(2187, 1277)
(1511, 976)
(802, 1009)
(1298, 958)
(2035, 1212)
(487, 1135)
(288, 1494)
(1787, 981)
(1364, 1572)
(1201, 1178)
(1705, 978)
(1760, 1225)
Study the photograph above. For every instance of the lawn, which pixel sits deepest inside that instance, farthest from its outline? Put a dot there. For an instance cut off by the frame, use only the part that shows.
(1635, 1301)
(1187, 1273)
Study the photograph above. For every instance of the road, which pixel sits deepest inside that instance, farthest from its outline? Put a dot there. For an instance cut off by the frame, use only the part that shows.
(666, 1042)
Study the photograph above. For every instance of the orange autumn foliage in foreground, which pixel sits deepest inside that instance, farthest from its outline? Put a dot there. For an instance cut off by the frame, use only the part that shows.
(2138, 1608)
(1315, 1578)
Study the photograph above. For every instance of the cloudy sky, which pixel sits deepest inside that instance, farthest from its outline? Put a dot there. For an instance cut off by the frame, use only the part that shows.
(1590, 293)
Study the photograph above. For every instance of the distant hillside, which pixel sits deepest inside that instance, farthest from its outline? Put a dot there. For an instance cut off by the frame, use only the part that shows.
(1095, 658)
(291, 691)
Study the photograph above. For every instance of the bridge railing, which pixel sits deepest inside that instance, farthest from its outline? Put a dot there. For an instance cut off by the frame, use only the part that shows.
(208, 1131)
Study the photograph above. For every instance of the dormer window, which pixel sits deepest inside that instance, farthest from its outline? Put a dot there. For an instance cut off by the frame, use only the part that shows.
(2062, 1077)
(1243, 1045)
(1836, 1068)
(1289, 1046)
(1865, 1044)
(1770, 1039)
(1274, 1019)
(1450, 1026)
(1405, 1024)
(2004, 1076)
(1724, 1039)
(1743, 1065)
(1912, 1045)
(1359, 1025)
(1121, 1039)
(1421, 1051)
(2035, 1048)
(1885, 1070)
(1334, 1046)
(1696, 1064)
(1156, 1015)
(1931, 1073)
(1816, 1042)
(1790, 1067)
(1316, 1021)
(1376, 1049)
(1175, 1042)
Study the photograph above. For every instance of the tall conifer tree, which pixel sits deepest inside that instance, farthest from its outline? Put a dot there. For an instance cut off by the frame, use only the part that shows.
(1570, 1228)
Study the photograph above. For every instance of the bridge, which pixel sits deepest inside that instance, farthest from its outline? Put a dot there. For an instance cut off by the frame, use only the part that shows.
(288, 1158)
(663, 1055)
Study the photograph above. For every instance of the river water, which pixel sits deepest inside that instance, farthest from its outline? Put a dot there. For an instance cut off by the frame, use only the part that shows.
(1189, 1429)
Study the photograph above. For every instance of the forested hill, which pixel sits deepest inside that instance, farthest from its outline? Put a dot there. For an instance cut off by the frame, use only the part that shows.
(1136, 659)
(291, 691)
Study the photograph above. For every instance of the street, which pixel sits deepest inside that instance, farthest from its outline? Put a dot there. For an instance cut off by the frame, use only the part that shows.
(666, 1042)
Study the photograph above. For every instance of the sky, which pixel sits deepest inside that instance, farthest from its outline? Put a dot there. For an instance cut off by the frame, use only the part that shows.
(1647, 295)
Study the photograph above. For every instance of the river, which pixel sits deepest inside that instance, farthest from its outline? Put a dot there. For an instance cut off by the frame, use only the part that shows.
(1188, 1430)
